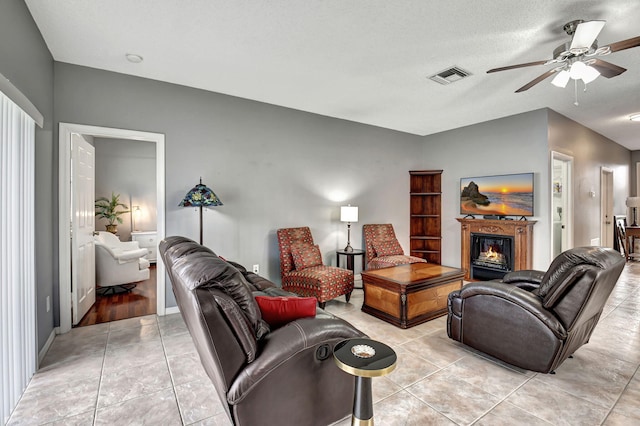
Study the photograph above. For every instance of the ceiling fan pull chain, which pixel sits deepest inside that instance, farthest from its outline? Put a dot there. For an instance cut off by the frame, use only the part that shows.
(575, 92)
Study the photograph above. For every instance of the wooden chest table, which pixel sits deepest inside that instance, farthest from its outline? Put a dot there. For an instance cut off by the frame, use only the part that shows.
(408, 295)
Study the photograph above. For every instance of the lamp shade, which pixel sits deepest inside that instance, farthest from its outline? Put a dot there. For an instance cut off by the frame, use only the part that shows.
(349, 213)
(633, 202)
(561, 79)
(589, 74)
(200, 196)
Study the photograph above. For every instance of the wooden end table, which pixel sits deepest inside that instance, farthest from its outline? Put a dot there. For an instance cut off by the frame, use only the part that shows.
(350, 255)
(408, 295)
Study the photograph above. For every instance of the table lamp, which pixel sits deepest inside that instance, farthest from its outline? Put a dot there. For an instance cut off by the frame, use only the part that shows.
(348, 214)
(634, 203)
(200, 196)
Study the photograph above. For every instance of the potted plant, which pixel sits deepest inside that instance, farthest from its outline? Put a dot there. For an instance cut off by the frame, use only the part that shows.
(108, 209)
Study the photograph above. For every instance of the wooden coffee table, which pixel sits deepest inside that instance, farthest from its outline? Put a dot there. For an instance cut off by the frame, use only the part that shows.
(409, 295)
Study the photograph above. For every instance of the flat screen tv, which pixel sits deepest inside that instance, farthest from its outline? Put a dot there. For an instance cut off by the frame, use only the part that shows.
(500, 195)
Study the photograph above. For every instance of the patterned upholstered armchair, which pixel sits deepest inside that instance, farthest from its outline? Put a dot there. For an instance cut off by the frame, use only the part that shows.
(303, 272)
(383, 248)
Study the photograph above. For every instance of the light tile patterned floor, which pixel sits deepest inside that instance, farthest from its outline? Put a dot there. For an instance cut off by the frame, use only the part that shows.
(145, 371)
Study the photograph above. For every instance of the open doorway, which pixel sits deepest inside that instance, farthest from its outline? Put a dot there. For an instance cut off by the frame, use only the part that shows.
(606, 207)
(561, 203)
(127, 169)
(65, 196)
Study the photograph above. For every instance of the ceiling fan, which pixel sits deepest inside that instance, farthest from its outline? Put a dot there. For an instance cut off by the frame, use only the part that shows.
(577, 59)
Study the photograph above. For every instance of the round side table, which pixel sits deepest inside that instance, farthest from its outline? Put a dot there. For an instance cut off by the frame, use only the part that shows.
(364, 358)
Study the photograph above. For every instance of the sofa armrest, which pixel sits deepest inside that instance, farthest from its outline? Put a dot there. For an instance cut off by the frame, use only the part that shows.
(129, 245)
(517, 296)
(129, 255)
(286, 345)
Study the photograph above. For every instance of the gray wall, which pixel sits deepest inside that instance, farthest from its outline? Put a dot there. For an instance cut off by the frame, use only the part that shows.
(27, 63)
(128, 168)
(591, 151)
(516, 144)
(272, 167)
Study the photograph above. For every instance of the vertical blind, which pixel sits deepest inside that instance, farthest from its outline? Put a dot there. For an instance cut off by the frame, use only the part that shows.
(18, 353)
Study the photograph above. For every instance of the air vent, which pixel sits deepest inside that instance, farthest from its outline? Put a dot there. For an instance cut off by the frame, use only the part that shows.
(450, 75)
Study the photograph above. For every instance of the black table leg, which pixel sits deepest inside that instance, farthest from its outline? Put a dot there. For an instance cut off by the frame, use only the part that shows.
(363, 402)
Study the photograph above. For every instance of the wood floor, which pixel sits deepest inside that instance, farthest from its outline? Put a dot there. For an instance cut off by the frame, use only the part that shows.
(138, 302)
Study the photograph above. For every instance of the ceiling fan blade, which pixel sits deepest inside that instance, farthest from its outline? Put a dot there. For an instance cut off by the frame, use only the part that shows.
(586, 33)
(537, 80)
(510, 67)
(607, 69)
(625, 44)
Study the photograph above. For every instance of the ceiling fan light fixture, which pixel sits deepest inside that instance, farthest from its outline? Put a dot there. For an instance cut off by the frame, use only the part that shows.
(561, 79)
(589, 74)
(635, 117)
(577, 70)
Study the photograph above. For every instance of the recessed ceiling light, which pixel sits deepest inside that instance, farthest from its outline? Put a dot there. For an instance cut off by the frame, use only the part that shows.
(635, 117)
(132, 57)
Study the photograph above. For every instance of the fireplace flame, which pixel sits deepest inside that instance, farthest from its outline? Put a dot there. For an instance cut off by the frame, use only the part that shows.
(493, 255)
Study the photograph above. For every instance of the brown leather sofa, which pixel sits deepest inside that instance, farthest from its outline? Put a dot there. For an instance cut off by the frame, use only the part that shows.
(533, 319)
(262, 376)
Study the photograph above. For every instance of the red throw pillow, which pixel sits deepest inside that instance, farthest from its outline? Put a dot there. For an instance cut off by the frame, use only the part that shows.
(277, 311)
(305, 256)
(387, 247)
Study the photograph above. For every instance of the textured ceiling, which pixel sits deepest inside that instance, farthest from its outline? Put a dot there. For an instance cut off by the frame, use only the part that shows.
(360, 60)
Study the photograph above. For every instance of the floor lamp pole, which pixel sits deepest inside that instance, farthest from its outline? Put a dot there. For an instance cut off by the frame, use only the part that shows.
(200, 207)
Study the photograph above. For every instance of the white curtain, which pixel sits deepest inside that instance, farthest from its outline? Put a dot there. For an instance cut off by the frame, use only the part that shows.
(18, 348)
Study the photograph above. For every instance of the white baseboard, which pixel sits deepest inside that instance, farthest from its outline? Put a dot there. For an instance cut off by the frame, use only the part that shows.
(47, 345)
(172, 310)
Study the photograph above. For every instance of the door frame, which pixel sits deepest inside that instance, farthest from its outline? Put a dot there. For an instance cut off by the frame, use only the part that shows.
(604, 188)
(568, 191)
(64, 207)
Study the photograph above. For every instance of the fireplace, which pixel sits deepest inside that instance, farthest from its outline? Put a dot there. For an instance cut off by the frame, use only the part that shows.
(520, 233)
(491, 256)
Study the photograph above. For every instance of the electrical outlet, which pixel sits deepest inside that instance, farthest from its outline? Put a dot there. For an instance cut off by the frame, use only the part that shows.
(48, 303)
(256, 269)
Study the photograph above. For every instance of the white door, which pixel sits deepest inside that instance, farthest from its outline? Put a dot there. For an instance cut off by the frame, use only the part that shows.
(83, 258)
(606, 207)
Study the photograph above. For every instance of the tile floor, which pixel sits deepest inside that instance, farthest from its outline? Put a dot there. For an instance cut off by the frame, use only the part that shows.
(145, 371)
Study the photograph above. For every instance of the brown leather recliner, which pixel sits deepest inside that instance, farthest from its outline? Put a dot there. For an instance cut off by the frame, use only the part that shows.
(533, 319)
(262, 376)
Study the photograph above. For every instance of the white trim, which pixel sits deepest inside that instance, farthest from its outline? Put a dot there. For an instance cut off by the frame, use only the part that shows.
(64, 211)
(47, 345)
(172, 310)
(568, 193)
(603, 208)
(638, 179)
(18, 98)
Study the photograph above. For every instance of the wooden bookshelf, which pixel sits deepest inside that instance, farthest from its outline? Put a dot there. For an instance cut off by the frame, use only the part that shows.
(425, 221)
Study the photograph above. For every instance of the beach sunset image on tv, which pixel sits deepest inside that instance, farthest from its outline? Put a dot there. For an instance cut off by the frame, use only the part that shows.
(503, 195)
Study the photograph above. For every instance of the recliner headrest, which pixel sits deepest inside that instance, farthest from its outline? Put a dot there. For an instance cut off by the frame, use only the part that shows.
(196, 266)
(569, 266)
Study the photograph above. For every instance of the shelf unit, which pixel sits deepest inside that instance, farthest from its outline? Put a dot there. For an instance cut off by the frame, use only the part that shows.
(425, 224)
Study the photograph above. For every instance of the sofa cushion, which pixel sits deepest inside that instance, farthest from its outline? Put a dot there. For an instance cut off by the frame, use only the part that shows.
(305, 256)
(277, 311)
(387, 247)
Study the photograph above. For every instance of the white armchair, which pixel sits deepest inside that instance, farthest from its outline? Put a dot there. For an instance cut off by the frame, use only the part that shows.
(119, 264)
